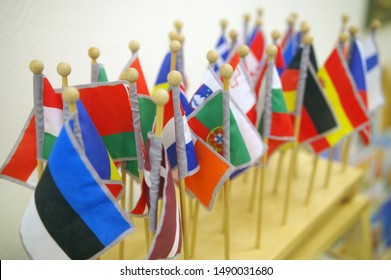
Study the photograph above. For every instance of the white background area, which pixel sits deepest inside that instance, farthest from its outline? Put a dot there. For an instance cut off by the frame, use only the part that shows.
(59, 30)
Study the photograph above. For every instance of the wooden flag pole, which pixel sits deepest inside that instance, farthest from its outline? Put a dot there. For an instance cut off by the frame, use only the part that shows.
(178, 26)
(312, 180)
(344, 19)
(307, 40)
(329, 168)
(93, 53)
(278, 172)
(212, 56)
(70, 95)
(348, 142)
(226, 72)
(64, 69)
(174, 79)
(36, 67)
(160, 97)
(233, 34)
(271, 51)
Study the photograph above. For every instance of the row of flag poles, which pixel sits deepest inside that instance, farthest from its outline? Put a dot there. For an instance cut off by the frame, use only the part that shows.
(80, 143)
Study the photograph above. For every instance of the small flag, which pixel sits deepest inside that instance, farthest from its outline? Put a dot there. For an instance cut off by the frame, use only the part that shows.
(72, 215)
(373, 74)
(276, 122)
(242, 92)
(222, 48)
(214, 171)
(170, 137)
(344, 99)
(141, 84)
(246, 145)
(357, 66)
(210, 84)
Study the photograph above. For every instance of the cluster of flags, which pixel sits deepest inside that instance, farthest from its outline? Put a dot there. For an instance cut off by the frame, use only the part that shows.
(75, 213)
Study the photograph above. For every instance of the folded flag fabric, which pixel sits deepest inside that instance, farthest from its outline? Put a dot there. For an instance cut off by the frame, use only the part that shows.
(72, 215)
(344, 98)
(357, 66)
(254, 61)
(373, 73)
(246, 145)
(161, 82)
(98, 73)
(167, 241)
(141, 83)
(275, 122)
(170, 137)
(242, 92)
(291, 47)
(222, 48)
(210, 84)
(316, 114)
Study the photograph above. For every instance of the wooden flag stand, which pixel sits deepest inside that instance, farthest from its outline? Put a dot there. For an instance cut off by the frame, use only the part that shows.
(316, 227)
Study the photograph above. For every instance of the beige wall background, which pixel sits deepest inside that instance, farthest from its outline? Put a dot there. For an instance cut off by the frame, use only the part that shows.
(59, 30)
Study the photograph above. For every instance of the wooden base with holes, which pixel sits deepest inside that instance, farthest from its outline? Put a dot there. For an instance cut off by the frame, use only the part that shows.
(310, 230)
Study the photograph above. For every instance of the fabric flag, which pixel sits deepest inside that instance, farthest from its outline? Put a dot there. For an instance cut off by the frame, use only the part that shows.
(316, 114)
(141, 84)
(242, 92)
(357, 66)
(246, 145)
(210, 84)
(222, 48)
(146, 106)
(214, 171)
(276, 123)
(279, 60)
(289, 33)
(348, 107)
(21, 164)
(373, 73)
(167, 241)
(106, 103)
(170, 137)
(98, 73)
(72, 215)
(161, 82)
(255, 59)
(292, 46)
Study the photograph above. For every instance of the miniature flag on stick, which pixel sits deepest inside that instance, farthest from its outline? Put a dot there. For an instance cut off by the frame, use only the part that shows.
(222, 47)
(98, 72)
(134, 62)
(373, 70)
(57, 202)
(357, 66)
(347, 105)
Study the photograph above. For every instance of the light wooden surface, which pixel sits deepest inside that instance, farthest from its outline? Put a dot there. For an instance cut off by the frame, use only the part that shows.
(309, 231)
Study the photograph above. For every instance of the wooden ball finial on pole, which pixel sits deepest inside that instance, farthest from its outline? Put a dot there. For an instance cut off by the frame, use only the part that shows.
(223, 24)
(275, 36)
(134, 46)
(353, 30)
(260, 12)
(131, 75)
(36, 66)
(375, 24)
(304, 27)
(343, 37)
(226, 71)
(308, 39)
(246, 17)
(233, 34)
(160, 97)
(178, 25)
(212, 56)
(93, 53)
(64, 69)
(70, 95)
(271, 52)
(243, 51)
